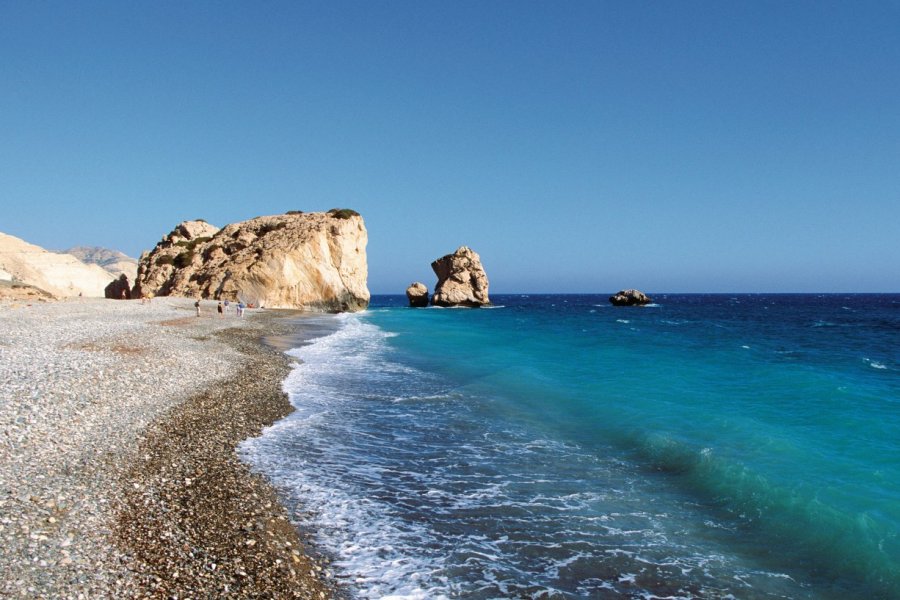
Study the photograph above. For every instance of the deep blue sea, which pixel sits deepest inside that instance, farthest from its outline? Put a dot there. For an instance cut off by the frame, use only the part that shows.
(555, 446)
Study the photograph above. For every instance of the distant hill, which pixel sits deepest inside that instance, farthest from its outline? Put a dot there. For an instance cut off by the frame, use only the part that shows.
(112, 260)
(59, 275)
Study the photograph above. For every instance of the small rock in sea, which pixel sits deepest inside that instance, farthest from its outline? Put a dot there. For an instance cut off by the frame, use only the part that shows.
(417, 294)
(630, 297)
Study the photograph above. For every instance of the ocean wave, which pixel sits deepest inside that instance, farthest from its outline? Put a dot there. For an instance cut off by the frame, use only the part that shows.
(421, 480)
(875, 364)
(800, 522)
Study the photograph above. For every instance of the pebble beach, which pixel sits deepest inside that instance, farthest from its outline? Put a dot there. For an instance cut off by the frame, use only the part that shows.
(118, 472)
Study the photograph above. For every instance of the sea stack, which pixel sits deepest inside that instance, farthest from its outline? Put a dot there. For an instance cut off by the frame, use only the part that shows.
(461, 280)
(417, 294)
(630, 298)
(311, 261)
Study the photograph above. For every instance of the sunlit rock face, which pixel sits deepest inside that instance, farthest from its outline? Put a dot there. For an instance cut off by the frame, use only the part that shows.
(312, 261)
(461, 280)
(59, 275)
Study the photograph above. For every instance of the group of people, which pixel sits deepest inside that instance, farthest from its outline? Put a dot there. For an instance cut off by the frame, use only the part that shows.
(222, 308)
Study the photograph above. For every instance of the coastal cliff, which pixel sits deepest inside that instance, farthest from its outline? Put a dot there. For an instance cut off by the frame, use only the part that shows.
(314, 261)
(59, 275)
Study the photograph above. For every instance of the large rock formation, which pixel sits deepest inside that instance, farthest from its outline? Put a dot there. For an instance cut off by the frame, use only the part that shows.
(60, 275)
(417, 294)
(113, 261)
(630, 298)
(313, 261)
(118, 289)
(461, 280)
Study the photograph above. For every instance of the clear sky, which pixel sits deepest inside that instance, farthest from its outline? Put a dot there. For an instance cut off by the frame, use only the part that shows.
(577, 146)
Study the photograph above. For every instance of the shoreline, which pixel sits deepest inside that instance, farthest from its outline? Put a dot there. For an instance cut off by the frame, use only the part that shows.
(120, 476)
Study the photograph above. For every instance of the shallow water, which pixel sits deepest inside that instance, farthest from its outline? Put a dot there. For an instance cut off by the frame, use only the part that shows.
(558, 447)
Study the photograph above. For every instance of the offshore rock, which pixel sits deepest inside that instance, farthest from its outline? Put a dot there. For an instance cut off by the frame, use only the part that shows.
(461, 280)
(312, 261)
(119, 289)
(417, 294)
(630, 298)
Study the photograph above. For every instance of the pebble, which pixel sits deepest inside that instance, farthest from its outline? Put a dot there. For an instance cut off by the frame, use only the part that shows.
(85, 385)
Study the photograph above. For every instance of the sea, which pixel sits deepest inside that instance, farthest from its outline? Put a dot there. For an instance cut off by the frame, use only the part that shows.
(555, 446)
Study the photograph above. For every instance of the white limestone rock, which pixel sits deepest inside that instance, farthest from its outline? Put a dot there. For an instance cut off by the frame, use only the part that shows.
(313, 261)
(60, 275)
(461, 280)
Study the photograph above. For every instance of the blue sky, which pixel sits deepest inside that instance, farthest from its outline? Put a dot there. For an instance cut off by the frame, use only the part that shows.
(577, 146)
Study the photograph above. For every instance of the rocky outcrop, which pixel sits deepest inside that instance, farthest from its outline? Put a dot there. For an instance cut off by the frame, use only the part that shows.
(630, 298)
(461, 280)
(113, 261)
(161, 269)
(417, 294)
(22, 292)
(118, 289)
(314, 261)
(60, 275)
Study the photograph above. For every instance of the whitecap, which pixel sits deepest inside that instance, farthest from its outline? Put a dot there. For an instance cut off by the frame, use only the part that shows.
(874, 363)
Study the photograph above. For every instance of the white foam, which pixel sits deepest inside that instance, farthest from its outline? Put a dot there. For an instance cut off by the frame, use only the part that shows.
(368, 544)
(875, 364)
(376, 497)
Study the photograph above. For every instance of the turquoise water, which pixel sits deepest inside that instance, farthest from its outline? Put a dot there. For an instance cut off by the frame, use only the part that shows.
(558, 447)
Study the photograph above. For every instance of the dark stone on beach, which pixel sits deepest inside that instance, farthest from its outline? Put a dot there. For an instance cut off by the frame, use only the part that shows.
(118, 289)
(195, 521)
(630, 298)
(417, 294)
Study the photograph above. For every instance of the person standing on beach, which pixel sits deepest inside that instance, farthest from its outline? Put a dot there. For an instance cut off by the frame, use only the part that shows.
(240, 309)
(219, 309)
(197, 306)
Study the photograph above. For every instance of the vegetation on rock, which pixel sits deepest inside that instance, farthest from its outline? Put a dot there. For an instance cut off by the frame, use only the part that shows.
(184, 259)
(343, 213)
(270, 227)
